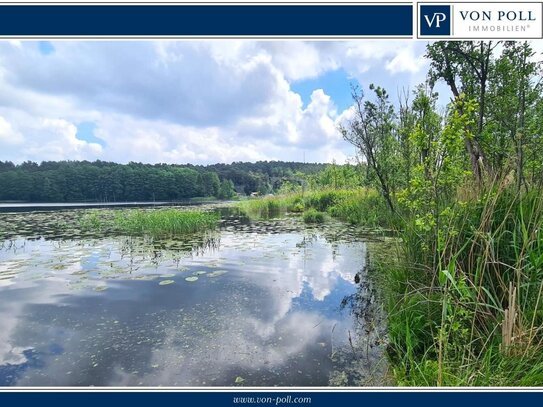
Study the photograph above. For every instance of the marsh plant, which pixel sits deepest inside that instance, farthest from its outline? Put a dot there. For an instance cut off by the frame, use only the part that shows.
(151, 222)
(357, 206)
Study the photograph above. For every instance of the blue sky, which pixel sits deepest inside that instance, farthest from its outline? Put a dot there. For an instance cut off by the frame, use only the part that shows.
(46, 47)
(337, 84)
(85, 132)
(190, 101)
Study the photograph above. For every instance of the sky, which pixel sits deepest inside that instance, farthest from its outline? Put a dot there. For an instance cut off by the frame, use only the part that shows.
(197, 102)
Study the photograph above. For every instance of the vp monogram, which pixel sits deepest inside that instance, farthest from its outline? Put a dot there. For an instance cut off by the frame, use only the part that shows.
(437, 18)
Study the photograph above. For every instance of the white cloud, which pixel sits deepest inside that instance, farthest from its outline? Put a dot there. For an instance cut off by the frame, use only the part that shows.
(200, 101)
(406, 61)
(300, 60)
(8, 136)
(316, 124)
(44, 139)
(158, 141)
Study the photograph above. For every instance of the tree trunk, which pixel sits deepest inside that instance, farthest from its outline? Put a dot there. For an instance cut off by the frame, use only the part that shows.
(384, 185)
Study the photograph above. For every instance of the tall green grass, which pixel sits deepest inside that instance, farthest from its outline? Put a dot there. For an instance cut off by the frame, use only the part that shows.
(155, 222)
(313, 216)
(271, 206)
(472, 313)
(357, 206)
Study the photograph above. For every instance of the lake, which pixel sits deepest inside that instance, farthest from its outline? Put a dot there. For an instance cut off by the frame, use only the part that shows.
(256, 303)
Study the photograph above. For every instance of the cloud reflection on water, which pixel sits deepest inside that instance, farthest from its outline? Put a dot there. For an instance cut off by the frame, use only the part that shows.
(272, 319)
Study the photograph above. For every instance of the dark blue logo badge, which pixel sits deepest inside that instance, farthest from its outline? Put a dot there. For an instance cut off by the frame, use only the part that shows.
(435, 20)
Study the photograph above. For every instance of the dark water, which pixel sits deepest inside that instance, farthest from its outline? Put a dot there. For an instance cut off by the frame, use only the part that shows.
(55, 206)
(275, 303)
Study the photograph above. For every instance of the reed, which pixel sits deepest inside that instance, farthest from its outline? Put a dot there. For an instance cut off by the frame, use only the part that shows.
(151, 222)
(473, 314)
(358, 206)
(313, 216)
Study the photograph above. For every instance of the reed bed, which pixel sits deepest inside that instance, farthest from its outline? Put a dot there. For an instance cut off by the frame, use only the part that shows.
(155, 222)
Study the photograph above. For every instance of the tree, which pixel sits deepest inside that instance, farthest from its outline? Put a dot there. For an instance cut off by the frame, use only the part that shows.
(466, 67)
(372, 132)
(226, 190)
(439, 168)
(406, 127)
(209, 183)
(513, 93)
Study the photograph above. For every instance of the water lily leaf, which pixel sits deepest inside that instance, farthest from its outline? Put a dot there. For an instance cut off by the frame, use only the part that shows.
(217, 273)
(199, 273)
(100, 288)
(167, 275)
(191, 279)
(166, 282)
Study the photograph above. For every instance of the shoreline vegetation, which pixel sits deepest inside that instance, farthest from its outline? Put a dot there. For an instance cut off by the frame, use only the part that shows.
(478, 320)
(463, 189)
(356, 205)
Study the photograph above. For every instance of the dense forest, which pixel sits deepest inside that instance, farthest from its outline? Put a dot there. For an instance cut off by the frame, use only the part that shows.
(83, 181)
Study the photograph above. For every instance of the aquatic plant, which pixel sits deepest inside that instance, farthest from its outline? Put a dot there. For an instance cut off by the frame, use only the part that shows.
(151, 222)
(360, 206)
(268, 206)
(313, 216)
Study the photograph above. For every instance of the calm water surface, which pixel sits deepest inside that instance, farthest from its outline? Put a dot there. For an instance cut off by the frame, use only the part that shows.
(273, 303)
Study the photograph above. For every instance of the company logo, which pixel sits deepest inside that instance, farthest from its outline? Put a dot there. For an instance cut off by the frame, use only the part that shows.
(473, 20)
(435, 20)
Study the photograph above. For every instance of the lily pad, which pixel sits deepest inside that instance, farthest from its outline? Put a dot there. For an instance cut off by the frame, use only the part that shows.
(191, 279)
(217, 273)
(166, 282)
(199, 273)
(100, 288)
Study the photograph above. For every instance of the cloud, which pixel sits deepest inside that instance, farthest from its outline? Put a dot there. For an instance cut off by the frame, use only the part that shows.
(44, 139)
(8, 136)
(178, 82)
(158, 141)
(406, 61)
(188, 101)
(301, 60)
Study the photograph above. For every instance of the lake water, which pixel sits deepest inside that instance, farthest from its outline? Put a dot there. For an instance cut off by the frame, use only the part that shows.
(52, 206)
(256, 303)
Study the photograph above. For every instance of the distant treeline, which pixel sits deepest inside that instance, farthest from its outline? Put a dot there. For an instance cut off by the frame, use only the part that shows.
(99, 181)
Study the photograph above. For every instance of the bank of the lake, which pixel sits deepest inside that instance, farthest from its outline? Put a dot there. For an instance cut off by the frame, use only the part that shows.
(464, 304)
